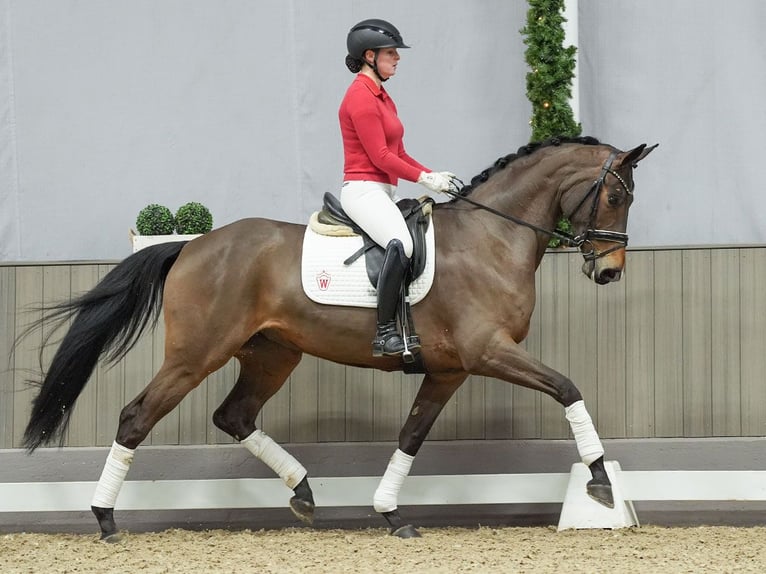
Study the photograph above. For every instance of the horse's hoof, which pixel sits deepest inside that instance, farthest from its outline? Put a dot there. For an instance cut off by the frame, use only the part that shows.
(114, 538)
(302, 509)
(406, 531)
(105, 517)
(601, 493)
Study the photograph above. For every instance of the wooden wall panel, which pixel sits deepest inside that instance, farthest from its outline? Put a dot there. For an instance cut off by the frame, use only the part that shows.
(276, 414)
(470, 401)
(639, 344)
(611, 360)
(675, 349)
(387, 405)
(697, 388)
(498, 409)
(668, 344)
(725, 342)
(753, 347)
(304, 401)
(193, 418)
(29, 292)
(360, 411)
(7, 336)
(331, 380)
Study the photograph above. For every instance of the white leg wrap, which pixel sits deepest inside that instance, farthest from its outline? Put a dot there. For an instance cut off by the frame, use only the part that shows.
(114, 473)
(387, 494)
(588, 443)
(275, 457)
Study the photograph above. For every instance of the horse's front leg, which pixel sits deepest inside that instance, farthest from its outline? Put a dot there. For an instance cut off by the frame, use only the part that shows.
(434, 392)
(591, 451)
(503, 359)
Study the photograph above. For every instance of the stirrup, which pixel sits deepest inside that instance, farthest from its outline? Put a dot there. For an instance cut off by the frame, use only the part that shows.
(413, 342)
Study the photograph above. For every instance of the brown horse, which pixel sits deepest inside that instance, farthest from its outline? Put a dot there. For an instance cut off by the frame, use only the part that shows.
(236, 291)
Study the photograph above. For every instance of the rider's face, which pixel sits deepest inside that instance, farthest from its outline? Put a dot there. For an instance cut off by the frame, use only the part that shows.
(388, 58)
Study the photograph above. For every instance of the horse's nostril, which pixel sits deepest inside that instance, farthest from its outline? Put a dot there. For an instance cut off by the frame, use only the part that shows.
(609, 275)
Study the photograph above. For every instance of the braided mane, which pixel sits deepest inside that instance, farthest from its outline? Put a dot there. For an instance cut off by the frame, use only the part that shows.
(523, 151)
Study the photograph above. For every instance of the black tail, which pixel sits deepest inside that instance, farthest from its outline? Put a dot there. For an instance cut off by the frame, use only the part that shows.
(108, 319)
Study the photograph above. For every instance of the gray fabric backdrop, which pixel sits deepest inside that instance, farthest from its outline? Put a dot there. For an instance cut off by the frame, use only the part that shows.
(108, 106)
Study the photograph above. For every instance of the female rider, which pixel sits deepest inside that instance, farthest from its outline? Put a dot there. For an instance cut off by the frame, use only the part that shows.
(375, 160)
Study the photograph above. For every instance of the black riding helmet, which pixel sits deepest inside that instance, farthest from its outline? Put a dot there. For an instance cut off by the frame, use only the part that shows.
(370, 34)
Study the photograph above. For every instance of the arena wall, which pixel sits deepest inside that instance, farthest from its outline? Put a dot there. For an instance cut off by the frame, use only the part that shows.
(673, 350)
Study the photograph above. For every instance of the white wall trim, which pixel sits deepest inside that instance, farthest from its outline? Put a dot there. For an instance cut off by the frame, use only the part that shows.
(529, 488)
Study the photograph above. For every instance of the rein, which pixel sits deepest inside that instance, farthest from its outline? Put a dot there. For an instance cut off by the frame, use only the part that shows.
(590, 233)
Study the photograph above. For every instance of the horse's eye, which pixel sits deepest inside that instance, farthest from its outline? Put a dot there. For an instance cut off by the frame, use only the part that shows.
(613, 199)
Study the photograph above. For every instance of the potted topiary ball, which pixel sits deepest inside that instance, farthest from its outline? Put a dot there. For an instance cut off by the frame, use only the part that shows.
(193, 218)
(155, 219)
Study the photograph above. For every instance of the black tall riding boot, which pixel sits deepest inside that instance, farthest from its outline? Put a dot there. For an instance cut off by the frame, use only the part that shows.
(395, 263)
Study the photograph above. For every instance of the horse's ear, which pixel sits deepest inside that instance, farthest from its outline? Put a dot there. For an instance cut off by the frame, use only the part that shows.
(635, 155)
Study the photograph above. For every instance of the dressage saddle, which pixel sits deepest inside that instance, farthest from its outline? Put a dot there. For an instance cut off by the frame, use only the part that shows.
(416, 213)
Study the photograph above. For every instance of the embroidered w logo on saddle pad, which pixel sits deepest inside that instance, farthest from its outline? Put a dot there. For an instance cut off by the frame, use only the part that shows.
(333, 271)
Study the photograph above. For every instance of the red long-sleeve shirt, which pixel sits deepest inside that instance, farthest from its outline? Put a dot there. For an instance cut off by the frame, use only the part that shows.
(372, 136)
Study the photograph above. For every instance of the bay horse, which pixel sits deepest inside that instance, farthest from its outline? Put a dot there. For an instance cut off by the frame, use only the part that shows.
(236, 292)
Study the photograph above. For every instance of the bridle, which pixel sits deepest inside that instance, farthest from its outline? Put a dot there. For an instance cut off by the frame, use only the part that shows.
(590, 234)
(620, 239)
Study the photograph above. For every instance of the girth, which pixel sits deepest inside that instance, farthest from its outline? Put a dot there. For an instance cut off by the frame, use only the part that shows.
(416, 213)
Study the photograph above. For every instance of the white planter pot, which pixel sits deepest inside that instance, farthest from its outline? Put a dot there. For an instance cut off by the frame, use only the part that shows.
(141, 241)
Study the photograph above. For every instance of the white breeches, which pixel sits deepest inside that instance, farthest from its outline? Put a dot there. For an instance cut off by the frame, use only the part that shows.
(372, 207)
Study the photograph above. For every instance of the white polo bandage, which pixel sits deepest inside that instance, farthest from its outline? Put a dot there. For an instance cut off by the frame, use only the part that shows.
(275, 457)
(588, 443)
(114, 473)
(387, 494)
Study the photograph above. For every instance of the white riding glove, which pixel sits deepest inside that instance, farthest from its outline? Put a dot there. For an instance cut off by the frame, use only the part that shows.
(437, 181)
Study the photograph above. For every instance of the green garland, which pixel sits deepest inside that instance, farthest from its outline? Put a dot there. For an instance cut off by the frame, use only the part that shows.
(549, 80)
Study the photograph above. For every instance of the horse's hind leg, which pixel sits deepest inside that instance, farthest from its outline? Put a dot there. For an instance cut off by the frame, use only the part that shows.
(434, 392)
(265, 366)
(172, 383)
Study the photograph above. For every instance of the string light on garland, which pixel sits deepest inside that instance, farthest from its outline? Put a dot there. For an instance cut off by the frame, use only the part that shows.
(549, 80)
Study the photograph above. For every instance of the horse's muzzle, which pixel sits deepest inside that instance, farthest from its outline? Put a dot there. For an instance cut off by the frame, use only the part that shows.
(604, 270)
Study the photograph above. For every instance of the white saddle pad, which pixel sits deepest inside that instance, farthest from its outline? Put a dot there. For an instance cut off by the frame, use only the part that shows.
(327, 280)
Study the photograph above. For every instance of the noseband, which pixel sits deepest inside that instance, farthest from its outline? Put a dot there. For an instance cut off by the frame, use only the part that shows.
(589, 235)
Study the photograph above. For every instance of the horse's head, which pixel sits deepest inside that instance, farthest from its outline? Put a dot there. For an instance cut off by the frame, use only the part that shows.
(600, 216)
